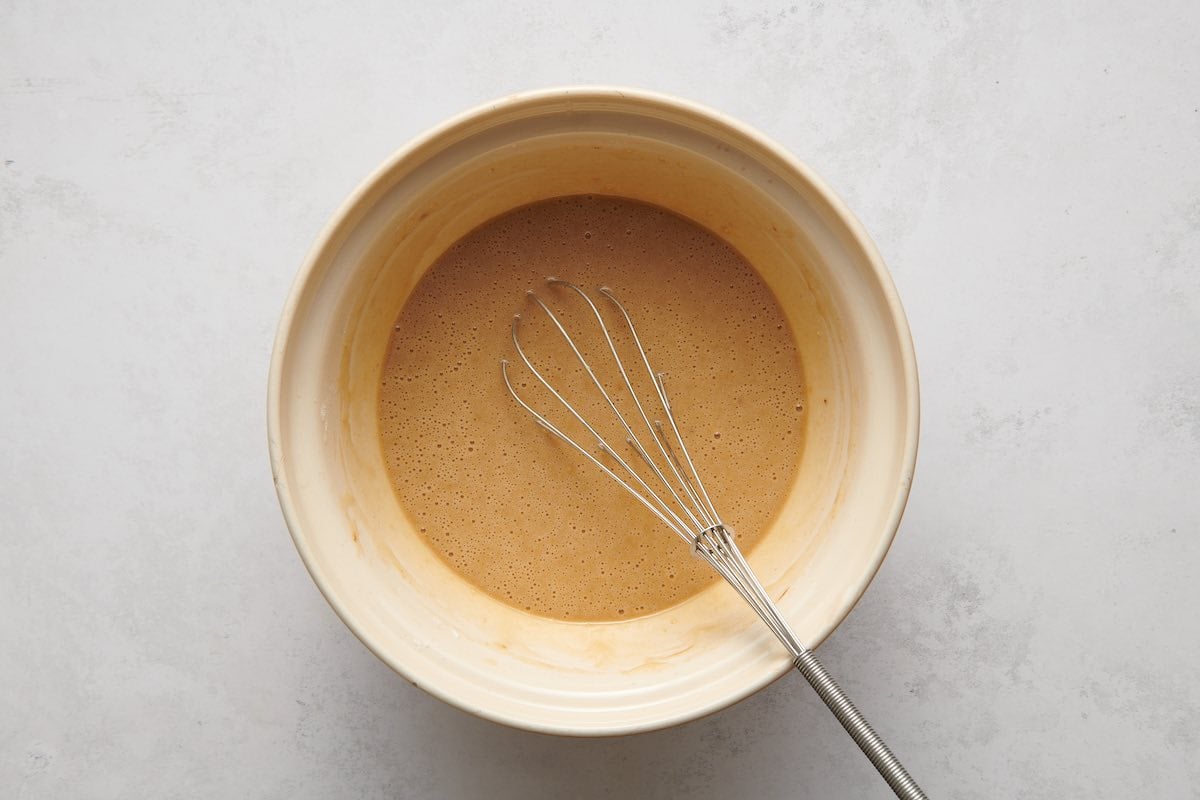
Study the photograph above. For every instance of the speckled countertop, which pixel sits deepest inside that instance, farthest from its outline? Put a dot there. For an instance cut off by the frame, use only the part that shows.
(1030, 172)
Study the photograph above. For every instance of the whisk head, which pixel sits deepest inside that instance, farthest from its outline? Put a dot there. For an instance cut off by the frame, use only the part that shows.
(660, 473)
(654, 465)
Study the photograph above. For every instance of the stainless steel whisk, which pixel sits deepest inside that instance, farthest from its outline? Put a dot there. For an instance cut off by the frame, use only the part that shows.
(674, 493)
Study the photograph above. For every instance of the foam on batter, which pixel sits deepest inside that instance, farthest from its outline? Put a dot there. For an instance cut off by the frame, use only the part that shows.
(513, 510)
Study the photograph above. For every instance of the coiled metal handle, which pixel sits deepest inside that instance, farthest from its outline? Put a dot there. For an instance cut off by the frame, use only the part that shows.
(857, 726)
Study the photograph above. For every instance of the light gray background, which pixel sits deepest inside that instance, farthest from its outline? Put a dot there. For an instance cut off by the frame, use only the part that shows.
(1031, 175)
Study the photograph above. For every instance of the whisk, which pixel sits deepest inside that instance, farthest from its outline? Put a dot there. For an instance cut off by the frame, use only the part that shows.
(670, 487)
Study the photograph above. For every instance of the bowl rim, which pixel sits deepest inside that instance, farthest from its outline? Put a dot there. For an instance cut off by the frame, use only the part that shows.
(342, 216)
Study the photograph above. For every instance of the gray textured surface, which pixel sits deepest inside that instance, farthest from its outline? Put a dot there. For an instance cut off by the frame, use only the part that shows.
(1032, 176)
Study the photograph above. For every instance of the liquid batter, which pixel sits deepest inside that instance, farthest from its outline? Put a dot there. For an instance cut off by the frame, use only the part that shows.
(513, 510)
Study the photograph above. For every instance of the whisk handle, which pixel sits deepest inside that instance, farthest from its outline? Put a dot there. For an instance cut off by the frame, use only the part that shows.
(857, 726)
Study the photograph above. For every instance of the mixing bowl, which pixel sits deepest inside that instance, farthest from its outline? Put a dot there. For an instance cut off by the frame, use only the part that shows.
(841, 511)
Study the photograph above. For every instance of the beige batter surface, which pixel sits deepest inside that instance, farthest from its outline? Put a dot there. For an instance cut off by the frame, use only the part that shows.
(515, 511)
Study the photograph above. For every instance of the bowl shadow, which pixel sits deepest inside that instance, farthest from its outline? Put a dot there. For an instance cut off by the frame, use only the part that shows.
(779, 743)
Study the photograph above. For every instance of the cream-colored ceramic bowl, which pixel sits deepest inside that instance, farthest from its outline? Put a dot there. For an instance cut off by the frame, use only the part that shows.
(363, 551)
